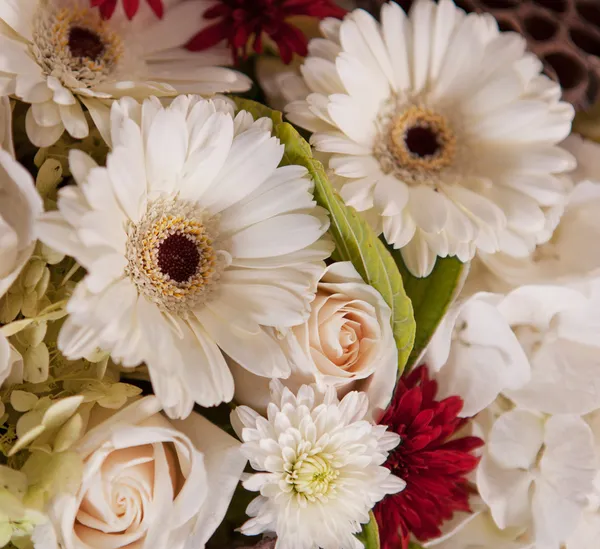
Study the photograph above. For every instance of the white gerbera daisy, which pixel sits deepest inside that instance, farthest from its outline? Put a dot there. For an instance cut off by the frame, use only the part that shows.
(440, 125)
(322, 463)
(193, 240)
(57, 54)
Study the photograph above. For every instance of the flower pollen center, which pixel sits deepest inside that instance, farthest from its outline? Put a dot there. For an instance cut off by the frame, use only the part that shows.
(414, 143)
(75, 45)
(421, 141)
(178, 257)
(85, 43)
(171, 256)
(313, 477)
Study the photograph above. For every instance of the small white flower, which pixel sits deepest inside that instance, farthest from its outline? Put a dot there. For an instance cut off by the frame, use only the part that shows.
(536, 473)
(20, 204)
(571, 249)
(346, 343)
(147, 481)
(321, 467)
(440, 125)
(194, 240)
(57, 54)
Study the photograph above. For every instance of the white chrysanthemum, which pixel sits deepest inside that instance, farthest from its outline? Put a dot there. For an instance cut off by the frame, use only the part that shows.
(57, 54)
(571, 249)
(439, 125)
(321, 466)
(193, 239)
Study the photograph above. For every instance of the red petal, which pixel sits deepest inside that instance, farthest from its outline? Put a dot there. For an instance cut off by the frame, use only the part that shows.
(157, 7)
(108, 8)
(131, 7)
(208, 37)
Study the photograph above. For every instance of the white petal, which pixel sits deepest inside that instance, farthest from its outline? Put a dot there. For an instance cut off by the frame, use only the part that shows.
(515, 439)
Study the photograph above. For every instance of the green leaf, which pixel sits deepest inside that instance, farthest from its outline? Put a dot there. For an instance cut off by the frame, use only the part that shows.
(257, 110)
(430, 297)
(369, 536)
(355, 240)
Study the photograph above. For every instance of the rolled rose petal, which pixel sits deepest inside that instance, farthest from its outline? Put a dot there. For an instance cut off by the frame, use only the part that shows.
(148, 482)
(346, 343)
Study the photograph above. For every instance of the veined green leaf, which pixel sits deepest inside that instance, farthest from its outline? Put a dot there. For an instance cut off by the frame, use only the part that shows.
(354, 239)
(369, 536)
(431, 297)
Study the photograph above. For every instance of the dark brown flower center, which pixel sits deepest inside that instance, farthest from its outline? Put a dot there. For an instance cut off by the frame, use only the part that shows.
(422, 141)
(85, 43)
(178, 257)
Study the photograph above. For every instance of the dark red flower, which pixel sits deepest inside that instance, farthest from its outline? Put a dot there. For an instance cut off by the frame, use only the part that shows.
(243, 21)
(432, 462)
(107, 7)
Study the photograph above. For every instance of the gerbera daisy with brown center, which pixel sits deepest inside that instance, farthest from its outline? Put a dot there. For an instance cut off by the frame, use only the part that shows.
(432, 461)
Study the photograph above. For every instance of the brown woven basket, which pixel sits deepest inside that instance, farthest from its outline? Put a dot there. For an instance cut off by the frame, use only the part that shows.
(564, 34)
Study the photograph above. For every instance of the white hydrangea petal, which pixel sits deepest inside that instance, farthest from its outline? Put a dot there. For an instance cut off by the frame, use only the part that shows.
(516, 439)
(506, 492)
(563, 379)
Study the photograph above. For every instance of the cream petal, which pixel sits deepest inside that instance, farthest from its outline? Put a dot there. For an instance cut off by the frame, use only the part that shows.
(396, 32)
(74, 120)
(418, 257)
(42, 136)
(166, 150)
(256, 352)
(224, 464)
(300, 231)
(46, 114)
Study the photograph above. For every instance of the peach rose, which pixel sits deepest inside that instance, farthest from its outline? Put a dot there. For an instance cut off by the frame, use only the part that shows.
(346, 343)
(148, 482)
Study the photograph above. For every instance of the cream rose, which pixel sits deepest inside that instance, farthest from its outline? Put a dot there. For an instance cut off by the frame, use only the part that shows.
(148, 482)
(346, 343)
(20, 204)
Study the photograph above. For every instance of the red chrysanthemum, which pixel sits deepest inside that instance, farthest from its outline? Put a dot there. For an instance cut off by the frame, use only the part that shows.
(107, 7)
(432, 462)
(241, 22)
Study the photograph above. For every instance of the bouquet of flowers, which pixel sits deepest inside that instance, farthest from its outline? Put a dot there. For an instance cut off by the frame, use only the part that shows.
(289, 274)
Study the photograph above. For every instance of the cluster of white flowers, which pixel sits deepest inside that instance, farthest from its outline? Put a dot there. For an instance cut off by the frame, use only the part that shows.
(166, 237)
(179, 250)
(523, 352)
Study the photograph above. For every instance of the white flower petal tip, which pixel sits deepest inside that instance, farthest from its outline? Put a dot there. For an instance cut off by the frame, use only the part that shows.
(441, 123)
(57, 57)
(196, 243)
(319, 466)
